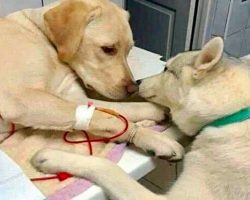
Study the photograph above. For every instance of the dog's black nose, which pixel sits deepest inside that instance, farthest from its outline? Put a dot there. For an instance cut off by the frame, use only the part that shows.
(138, 82)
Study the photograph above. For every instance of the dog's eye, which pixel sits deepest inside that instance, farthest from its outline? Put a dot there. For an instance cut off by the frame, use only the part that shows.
(109, 50)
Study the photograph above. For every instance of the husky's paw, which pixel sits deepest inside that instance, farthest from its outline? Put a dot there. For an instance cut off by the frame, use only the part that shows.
(50, 161)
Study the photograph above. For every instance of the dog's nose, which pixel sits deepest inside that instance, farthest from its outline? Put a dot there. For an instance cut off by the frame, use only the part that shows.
(138, 82)
(132, 88)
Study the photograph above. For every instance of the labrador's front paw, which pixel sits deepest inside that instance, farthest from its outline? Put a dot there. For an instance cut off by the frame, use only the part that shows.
(49, 161)
(157, 144)
(167, 149)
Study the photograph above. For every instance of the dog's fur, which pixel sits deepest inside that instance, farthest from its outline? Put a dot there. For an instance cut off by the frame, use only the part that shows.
(198, 87)
(42, 50)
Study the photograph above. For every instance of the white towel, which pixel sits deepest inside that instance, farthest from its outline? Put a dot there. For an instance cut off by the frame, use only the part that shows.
(14, 185)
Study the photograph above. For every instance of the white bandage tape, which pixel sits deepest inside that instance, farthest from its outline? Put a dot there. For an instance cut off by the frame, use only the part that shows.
(83, 115)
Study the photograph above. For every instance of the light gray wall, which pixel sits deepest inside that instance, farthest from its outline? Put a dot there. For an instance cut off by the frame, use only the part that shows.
(119, 2)
(45, 2)
(8, 6)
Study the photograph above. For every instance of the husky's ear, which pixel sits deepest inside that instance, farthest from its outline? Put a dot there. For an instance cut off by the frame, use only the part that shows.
(66, 25)
(208, 57)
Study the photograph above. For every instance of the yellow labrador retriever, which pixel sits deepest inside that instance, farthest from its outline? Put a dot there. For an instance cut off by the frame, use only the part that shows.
(43, 51)
(207, 93)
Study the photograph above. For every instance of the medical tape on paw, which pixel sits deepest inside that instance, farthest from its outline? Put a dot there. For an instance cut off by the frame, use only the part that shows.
(83, 115)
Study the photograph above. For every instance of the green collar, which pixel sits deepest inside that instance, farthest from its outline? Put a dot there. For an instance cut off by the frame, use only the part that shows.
(239, 116)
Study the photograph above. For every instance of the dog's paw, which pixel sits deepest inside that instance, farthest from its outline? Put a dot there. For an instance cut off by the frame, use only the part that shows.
(167, 149)
(159, 145)
(48, 161)
(177, 152)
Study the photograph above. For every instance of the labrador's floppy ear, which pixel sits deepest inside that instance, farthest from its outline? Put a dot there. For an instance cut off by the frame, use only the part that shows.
(66, 23)
(208, 57)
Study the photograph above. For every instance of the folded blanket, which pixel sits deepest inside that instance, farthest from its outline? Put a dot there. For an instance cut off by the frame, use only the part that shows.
(26, 142)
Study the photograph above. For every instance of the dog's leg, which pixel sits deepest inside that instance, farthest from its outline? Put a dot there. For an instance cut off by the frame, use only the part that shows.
(158, 144)
(116, 183)
(40, 109)
(193, 182)
(146, 139)
(137, 111)
(190, 186)
(176, 134)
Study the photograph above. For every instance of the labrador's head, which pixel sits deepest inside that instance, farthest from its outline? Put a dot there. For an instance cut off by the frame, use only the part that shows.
(94, 38)
(200, 86)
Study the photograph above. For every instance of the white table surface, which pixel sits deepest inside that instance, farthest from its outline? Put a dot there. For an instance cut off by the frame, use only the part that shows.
(136, 164)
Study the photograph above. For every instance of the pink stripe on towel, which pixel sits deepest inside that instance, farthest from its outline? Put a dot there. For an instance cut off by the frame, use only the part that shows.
(81, 185)
(116, 153)
(72, 190)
